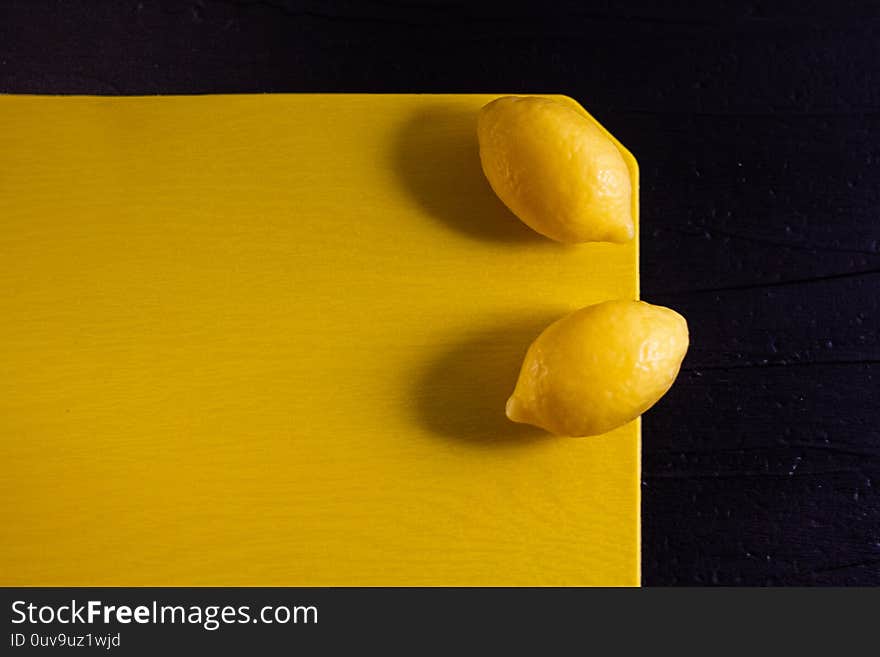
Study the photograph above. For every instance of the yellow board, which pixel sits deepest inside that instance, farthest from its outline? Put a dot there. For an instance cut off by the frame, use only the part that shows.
(267, 340)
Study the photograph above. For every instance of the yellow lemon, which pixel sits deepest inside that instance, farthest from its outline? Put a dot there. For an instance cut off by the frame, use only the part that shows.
(556, 170)
(599, 367)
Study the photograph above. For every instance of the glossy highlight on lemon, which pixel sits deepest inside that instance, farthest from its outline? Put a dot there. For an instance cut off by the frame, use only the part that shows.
(556, 170)
(599, 367)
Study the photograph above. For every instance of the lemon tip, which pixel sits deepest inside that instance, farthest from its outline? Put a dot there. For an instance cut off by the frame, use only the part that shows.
(513, 409)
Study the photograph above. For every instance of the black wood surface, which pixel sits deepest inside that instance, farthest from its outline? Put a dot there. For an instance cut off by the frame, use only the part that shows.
(757, 127)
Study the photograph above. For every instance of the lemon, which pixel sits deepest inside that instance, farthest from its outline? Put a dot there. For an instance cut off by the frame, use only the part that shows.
(556, 170)
(599, 367)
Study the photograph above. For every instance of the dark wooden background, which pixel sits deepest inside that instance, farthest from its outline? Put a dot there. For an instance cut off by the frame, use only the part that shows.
(757, 127)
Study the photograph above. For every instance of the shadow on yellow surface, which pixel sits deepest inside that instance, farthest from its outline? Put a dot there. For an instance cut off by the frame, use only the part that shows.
(461, 394)
(437, 157)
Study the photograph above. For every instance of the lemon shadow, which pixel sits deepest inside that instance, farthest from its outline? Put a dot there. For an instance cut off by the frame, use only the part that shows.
(460, 395)
(436, 156)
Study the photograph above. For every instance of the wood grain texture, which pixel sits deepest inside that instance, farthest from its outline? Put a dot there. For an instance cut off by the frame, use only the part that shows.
(267, 340)
(757, 126)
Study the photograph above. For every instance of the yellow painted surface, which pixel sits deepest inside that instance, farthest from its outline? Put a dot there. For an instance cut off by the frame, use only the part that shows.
(267, 340)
